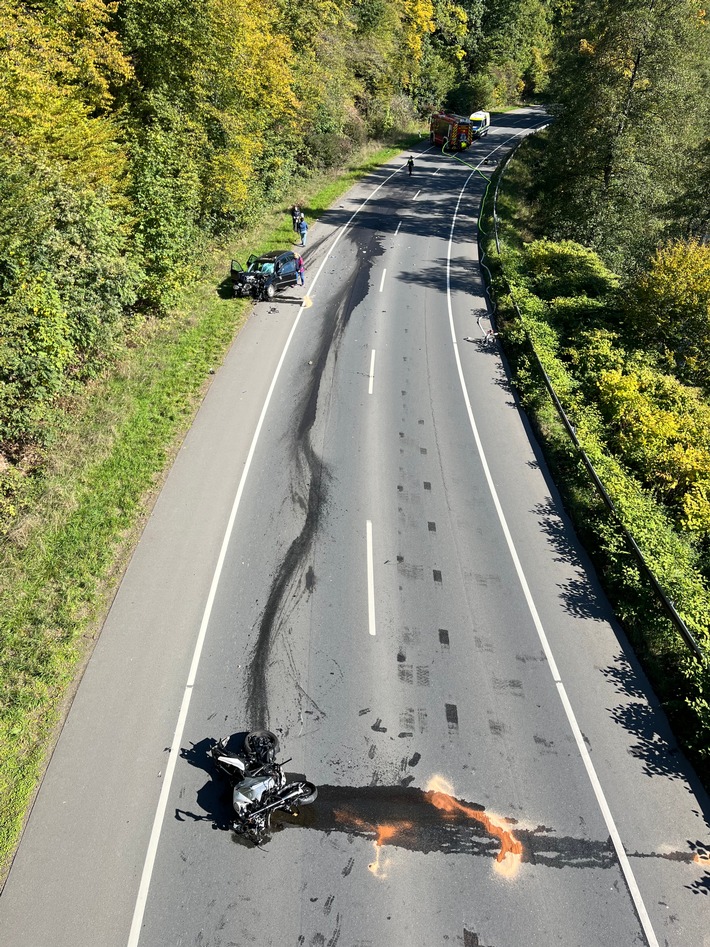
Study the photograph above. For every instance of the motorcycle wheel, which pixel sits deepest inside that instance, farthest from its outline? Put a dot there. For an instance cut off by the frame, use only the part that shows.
(263, 744)
(308, 793)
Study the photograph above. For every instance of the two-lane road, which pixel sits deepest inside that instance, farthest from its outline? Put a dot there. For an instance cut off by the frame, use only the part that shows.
(359, 547)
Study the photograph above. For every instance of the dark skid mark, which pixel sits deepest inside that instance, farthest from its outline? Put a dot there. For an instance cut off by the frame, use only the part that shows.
(377, 726)
(471, 940)
(309, 492)
(310, 579)
(452, 716)
(257, 699)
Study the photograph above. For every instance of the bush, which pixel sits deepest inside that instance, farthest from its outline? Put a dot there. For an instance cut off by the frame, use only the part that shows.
(567, 269)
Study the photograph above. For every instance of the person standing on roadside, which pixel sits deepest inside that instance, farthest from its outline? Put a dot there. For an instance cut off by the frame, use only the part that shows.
(300, 271)
(410, 165)
(295, 216)
(302, 229)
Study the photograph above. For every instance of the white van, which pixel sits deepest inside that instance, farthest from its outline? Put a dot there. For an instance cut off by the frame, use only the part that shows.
(480, 123)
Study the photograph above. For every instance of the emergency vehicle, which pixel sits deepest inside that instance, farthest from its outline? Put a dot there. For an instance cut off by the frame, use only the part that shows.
(456, 130)
(480, 123)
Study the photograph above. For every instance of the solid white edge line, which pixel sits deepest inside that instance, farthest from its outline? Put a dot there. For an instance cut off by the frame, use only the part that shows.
(149, 863)
(624, 863)
(372, 373)
(370, 582)
(382, 281)
(398, 226)
(417, 194)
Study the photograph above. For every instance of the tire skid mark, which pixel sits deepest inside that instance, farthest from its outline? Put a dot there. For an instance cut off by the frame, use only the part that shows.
(308, 492)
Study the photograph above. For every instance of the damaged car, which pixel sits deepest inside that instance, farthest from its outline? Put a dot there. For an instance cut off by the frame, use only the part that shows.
(264, 275)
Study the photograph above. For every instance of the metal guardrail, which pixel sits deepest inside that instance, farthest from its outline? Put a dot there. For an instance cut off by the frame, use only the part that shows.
(666, 603)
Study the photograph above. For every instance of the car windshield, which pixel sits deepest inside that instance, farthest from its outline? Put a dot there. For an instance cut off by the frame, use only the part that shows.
(261, 266)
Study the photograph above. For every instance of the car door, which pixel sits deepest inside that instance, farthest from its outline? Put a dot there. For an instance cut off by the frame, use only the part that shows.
(286, 271)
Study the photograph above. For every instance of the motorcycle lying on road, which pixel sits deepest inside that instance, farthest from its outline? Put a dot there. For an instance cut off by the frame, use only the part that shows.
(258, 783)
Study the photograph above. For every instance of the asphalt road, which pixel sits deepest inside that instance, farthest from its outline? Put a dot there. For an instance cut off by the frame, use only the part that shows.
(359, 546)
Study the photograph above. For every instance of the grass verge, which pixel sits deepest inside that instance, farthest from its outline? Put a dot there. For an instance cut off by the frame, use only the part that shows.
(110, 447)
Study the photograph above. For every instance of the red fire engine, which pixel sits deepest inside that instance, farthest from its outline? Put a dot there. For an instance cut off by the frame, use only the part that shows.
(457, 130)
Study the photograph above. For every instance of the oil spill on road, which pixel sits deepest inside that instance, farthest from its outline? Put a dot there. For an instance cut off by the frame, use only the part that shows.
(428, 821)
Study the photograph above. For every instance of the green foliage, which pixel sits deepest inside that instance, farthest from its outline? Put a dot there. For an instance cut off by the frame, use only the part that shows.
(515, 48)
(166, 194)
(668, 308)
(631, 81)
(66, 278)
(567, 269)
(34, 353)
(662, 431)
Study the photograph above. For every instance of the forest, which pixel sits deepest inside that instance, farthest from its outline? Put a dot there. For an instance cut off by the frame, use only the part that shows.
(138, 135)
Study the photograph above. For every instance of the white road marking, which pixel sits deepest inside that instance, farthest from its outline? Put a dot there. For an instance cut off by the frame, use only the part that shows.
(149, 864)
(417, 195)
(398, 226)
(382, 281)
(579, 739)
(370, 582)
(372, 372)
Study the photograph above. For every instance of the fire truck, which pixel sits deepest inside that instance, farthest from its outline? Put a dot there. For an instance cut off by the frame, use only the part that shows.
(456, 130)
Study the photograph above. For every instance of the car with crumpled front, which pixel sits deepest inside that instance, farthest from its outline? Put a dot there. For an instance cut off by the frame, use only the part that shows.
(265, 275)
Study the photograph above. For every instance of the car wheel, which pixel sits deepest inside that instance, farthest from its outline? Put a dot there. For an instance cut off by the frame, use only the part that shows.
(270, 291)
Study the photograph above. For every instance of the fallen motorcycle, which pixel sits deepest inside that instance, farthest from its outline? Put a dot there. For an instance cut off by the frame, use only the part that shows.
(259, 786)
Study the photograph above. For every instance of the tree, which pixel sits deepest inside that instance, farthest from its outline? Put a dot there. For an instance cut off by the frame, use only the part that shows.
(510, 59)
(629, 80)
(66, 271)
(668, 308)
